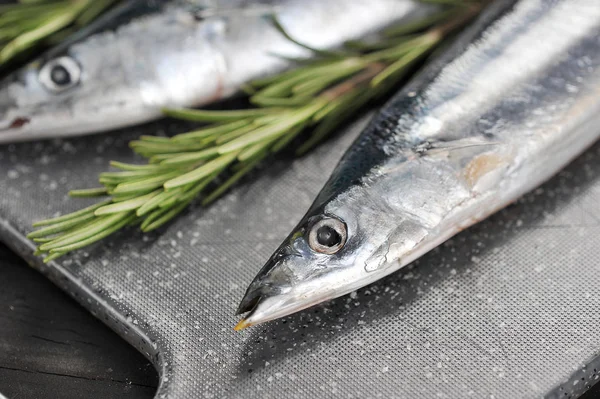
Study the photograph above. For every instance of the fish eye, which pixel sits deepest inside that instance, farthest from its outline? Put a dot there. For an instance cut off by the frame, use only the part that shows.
(327, 236)
(60, 74)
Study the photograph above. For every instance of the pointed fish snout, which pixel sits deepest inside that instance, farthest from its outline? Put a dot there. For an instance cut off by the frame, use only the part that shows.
(271, 280)
(250, 299)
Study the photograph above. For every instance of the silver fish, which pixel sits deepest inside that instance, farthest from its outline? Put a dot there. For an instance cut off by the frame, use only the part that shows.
(506, 107)
(147, 55)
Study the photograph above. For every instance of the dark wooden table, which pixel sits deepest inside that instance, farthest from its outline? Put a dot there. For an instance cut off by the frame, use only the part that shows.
(50, 347)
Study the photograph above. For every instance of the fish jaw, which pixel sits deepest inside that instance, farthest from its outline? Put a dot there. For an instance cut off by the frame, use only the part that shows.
(275, 307)
(264, 302)
(24, 126)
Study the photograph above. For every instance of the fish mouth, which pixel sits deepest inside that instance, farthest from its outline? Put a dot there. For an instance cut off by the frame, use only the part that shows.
(248, 304)
(259, 312)
(259, 290)
(269, 298)
(273, 279)
(13, 119)
(13, 123)
(258, 301)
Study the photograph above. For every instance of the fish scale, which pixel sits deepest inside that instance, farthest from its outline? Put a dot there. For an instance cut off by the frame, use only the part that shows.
(513, 101)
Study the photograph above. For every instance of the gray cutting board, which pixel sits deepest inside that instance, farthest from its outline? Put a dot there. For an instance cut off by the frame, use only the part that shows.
(509, 308)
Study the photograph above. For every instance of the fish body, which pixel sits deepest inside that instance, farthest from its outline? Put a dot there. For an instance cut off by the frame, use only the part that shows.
(506, 107)
(146, 55)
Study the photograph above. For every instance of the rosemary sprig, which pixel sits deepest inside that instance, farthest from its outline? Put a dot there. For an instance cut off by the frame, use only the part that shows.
(30, 24)
(317, 96)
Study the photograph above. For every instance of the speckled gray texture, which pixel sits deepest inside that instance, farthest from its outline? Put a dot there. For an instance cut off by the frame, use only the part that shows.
(509, 308)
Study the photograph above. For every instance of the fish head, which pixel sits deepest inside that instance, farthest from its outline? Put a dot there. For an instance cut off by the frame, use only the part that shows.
(67, 94)
(332, 252)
